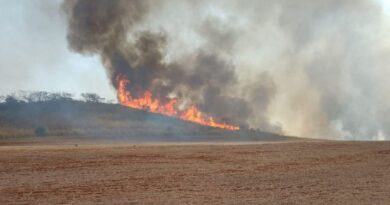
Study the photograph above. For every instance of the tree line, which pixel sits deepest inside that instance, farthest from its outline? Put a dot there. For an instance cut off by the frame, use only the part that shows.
(43, 96)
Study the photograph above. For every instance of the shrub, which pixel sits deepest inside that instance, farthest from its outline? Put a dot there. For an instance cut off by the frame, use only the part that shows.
(92, 97)
(40, 132)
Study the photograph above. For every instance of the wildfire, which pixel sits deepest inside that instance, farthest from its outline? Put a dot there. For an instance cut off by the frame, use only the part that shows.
(169, 108)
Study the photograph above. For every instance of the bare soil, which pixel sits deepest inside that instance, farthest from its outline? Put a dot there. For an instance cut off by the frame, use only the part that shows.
(269, 173)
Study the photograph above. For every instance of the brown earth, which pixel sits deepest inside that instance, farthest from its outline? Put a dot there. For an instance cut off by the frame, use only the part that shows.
(271, 173)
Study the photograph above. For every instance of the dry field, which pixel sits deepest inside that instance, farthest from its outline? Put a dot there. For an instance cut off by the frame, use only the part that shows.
(271, 173)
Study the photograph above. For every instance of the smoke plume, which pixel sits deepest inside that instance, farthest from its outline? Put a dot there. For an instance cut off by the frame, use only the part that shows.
(299, 67)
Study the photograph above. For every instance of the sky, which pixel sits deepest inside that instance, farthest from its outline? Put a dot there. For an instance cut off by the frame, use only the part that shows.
(34, 53)
(321, 69)
(385, 5)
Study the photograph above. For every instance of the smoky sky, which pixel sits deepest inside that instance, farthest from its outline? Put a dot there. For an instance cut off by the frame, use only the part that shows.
(300, 67)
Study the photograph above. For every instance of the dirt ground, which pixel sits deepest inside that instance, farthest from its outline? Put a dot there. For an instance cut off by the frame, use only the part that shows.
(271, 173)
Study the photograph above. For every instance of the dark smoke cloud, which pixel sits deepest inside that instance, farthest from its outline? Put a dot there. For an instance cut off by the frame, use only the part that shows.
(101, 27)
(302, 67)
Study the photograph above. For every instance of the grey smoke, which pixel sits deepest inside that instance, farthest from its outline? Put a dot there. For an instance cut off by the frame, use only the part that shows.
(301, 67)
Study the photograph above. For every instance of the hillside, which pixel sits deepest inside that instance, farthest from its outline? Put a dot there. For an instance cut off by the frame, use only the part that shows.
(71, 118)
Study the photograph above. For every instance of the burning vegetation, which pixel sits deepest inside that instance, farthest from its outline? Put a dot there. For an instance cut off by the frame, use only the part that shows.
(169, 108)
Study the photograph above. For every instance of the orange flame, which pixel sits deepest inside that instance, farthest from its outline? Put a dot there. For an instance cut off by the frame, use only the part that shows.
(146, 102)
